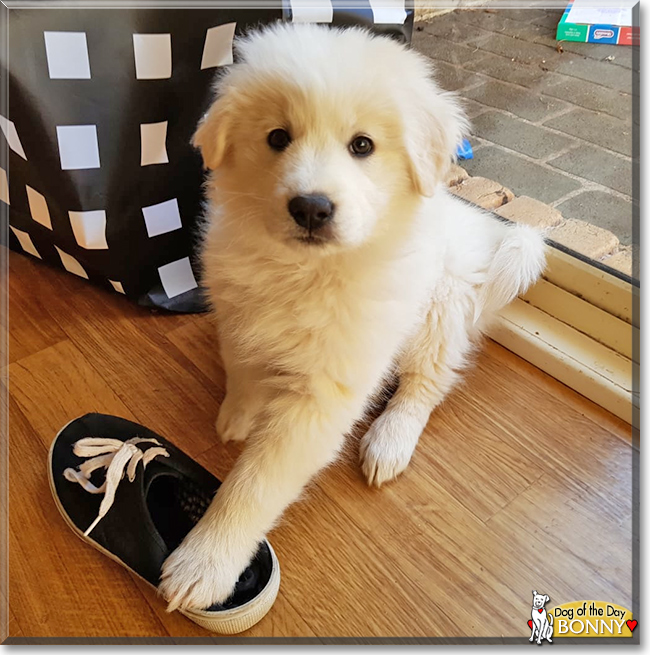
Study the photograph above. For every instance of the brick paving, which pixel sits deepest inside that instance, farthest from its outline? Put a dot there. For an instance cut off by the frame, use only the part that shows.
(552, 125)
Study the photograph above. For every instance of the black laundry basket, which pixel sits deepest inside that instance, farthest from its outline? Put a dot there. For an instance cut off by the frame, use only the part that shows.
(98, 171)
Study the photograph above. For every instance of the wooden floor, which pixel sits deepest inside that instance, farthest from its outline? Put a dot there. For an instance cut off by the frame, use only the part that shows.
(517, 484)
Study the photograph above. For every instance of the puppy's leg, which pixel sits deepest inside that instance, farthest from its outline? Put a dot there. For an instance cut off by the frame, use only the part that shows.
(302, 433)
(242, 404)
(428, 369)
(245, 397)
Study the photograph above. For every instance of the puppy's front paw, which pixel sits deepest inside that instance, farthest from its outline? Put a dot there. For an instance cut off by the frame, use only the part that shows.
(387, 447)
(200, 572)
(235, 421)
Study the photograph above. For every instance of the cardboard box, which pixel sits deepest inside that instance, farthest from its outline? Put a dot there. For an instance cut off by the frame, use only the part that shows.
(582, 21)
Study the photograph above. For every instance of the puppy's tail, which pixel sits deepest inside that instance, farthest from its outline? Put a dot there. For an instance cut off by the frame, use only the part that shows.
(517, 264)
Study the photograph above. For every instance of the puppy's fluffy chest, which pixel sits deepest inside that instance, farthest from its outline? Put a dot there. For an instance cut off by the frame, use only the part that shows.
(314, 315)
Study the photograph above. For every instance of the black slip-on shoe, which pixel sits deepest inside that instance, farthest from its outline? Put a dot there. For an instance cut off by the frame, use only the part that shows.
(134, 496)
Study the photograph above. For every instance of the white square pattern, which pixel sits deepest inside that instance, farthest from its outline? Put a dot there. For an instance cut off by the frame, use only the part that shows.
(388, 11)
(25, 241)
(153, 149)
(311, 11)
(89, 229)
(67, 55)
(38, 207)
(9, 130)
(71, 264)
(177, 277)
(162, 218)
(78, 147)
(153, 56)
(4, 186)
(217, 50)
(117, 286)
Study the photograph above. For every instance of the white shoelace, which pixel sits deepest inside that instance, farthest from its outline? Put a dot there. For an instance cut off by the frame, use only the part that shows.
(113, 455)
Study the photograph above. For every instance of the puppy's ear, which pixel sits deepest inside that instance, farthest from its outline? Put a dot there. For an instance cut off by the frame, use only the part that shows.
(212, 134)
(534, 593)
(437, 126)
(547, 598)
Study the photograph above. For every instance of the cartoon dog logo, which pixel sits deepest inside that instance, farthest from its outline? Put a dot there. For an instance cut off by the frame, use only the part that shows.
(541, 623)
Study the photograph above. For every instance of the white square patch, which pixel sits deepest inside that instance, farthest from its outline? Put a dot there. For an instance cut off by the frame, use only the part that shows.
(388, 12)
(177, 277)
(25, 241)
(9, 130)
(38, 208)
(162, 218)
(153, 56)
(71, 264)
(4, 186)
(217, 50)
(67, 55)
(153, 149)
(311, 11)
(89, 229)
(78, 147)
(117, 286)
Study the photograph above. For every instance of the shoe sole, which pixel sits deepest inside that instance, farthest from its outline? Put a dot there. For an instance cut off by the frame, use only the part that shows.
(226, 622)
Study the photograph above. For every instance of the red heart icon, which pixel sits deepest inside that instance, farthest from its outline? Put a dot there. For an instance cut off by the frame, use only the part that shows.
(631, 625)
(540, 610)
(530, 624)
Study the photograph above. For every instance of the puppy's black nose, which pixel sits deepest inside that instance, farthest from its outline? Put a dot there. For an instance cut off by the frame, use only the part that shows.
(312, 211)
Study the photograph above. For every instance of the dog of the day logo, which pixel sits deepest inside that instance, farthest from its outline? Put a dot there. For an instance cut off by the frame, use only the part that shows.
(580, 618)
(540, 622)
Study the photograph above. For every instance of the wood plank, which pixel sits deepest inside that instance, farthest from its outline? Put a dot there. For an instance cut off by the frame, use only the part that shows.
(14, 629)
(576, 522)
(537, 379)
(429, 537)
(31, 326)
(63, 295)
(554, 434)
(155, 381)
(198, 341)
(435, 543)
(57, 385)
(420, 529)
(472, 460)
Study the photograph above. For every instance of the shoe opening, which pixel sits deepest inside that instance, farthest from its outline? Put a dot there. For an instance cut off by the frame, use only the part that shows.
(176, 506)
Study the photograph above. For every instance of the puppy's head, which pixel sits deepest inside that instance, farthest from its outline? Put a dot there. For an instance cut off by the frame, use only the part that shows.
(321, 139)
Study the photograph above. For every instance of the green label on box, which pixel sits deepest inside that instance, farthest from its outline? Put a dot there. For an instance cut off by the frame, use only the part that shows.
(572, 32)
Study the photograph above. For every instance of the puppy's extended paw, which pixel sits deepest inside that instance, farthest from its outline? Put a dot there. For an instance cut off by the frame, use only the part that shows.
(235, 420)
(201, 572)
(387, 447)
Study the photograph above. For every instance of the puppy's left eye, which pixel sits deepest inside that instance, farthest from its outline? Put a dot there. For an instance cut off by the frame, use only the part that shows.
(361, 146)
(279, 139)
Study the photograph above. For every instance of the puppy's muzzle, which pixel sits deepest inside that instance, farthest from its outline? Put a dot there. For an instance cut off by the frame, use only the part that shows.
(312, 212)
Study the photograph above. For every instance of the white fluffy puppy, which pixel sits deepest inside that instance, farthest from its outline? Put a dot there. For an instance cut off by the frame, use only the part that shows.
(334, 256)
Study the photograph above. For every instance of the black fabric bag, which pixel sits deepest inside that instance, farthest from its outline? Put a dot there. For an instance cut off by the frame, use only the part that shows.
(99, 175)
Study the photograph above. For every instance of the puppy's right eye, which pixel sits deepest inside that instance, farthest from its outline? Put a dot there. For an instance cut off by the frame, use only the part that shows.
(279, 139)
